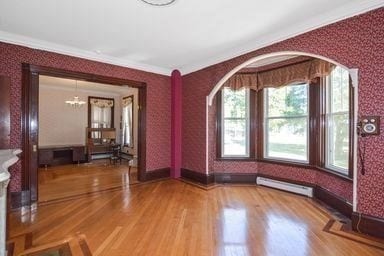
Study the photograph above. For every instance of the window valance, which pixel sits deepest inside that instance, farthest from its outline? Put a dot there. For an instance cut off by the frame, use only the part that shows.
(101, 103)
(303, 72)
(239, 81)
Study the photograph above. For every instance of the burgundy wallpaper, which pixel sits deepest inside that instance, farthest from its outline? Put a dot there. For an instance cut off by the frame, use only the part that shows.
(158, 98)
(357, 43)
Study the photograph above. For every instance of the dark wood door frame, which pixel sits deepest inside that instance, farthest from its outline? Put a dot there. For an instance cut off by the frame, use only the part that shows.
(29, 116)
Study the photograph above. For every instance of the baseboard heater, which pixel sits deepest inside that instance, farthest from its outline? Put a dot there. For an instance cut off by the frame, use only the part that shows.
(294, 188)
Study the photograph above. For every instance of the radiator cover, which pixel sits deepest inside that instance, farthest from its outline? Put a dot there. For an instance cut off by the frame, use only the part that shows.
(294, 188)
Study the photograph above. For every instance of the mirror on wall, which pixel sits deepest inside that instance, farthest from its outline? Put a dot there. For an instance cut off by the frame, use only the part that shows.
(100, 112)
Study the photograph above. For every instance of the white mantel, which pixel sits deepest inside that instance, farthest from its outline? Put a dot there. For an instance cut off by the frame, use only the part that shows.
(8, 157)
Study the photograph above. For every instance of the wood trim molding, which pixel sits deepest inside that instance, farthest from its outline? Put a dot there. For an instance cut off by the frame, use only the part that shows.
(158, 174)
(5, 108)
(197, 176)
(142, 133)
(236, 178)
(30, 83)
(19, 199)
(62, 73)
(90, 112)
(368, 224)
(333, 200)
(252, 127)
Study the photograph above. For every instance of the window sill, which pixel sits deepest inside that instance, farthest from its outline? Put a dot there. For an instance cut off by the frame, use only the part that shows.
(332, 172)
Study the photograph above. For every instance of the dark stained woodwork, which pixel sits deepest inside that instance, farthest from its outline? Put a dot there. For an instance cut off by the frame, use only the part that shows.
(158, 174)
(141, 133)
(314, 123)
(219, 129)
(61, 73)
(5, 112)
(197, 176)
(236, 178)
(333, 200)
(30, 89)
(260, 125)
(252, 127)
(19, 199)
(367, 224)
(90, 108)
(59, 155)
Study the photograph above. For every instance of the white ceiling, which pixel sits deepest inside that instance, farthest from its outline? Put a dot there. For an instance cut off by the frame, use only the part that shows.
(270, 60)
(188, 35)
(84, 86)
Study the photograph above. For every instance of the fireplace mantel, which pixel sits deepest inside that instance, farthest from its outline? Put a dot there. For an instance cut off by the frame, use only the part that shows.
(8, 157)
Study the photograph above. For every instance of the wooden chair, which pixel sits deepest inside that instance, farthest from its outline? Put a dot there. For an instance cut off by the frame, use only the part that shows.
(116, 154)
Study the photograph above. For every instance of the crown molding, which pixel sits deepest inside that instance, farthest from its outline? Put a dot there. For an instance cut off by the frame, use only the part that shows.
(33, 43)
(335, 15)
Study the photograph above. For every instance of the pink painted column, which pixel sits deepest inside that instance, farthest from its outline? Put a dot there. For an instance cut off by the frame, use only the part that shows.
(176, 84)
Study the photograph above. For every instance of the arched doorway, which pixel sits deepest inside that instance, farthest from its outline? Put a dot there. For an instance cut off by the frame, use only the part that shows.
(353, 73)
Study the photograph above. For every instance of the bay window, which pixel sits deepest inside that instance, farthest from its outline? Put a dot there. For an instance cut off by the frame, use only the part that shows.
(301, 123)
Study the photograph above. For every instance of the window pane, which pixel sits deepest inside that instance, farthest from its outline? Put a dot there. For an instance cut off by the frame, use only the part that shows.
(287, 138)
(337, 121)
(235, 103)
(235, 137)
(287, 100)
(339, 90)
(235, 123)
(338, 141)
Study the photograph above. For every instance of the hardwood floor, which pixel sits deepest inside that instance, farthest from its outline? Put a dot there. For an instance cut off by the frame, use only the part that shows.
(58, 182)
(171, 217)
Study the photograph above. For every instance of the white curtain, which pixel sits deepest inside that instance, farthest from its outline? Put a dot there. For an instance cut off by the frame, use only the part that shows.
(127, 125)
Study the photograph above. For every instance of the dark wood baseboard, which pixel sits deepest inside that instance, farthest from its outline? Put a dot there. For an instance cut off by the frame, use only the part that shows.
(19, 199)
(197, 176)
(158, 174)
(367, 224)
(238, 178)
(336, 202)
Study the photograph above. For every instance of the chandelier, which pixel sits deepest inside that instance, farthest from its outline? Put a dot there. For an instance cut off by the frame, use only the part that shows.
(76, 102)
(158, 2)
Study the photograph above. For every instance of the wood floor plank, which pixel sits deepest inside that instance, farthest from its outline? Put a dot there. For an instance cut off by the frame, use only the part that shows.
(170, 217)
(63, 181)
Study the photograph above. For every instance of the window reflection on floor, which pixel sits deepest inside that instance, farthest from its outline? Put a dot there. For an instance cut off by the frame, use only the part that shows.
(286, 236)
(235, 231)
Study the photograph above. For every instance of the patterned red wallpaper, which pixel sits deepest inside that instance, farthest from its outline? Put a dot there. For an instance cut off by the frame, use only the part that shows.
(357, 43)
(158, 98)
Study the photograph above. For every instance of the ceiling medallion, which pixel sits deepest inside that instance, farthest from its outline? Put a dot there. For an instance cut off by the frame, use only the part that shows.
(158, 2)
